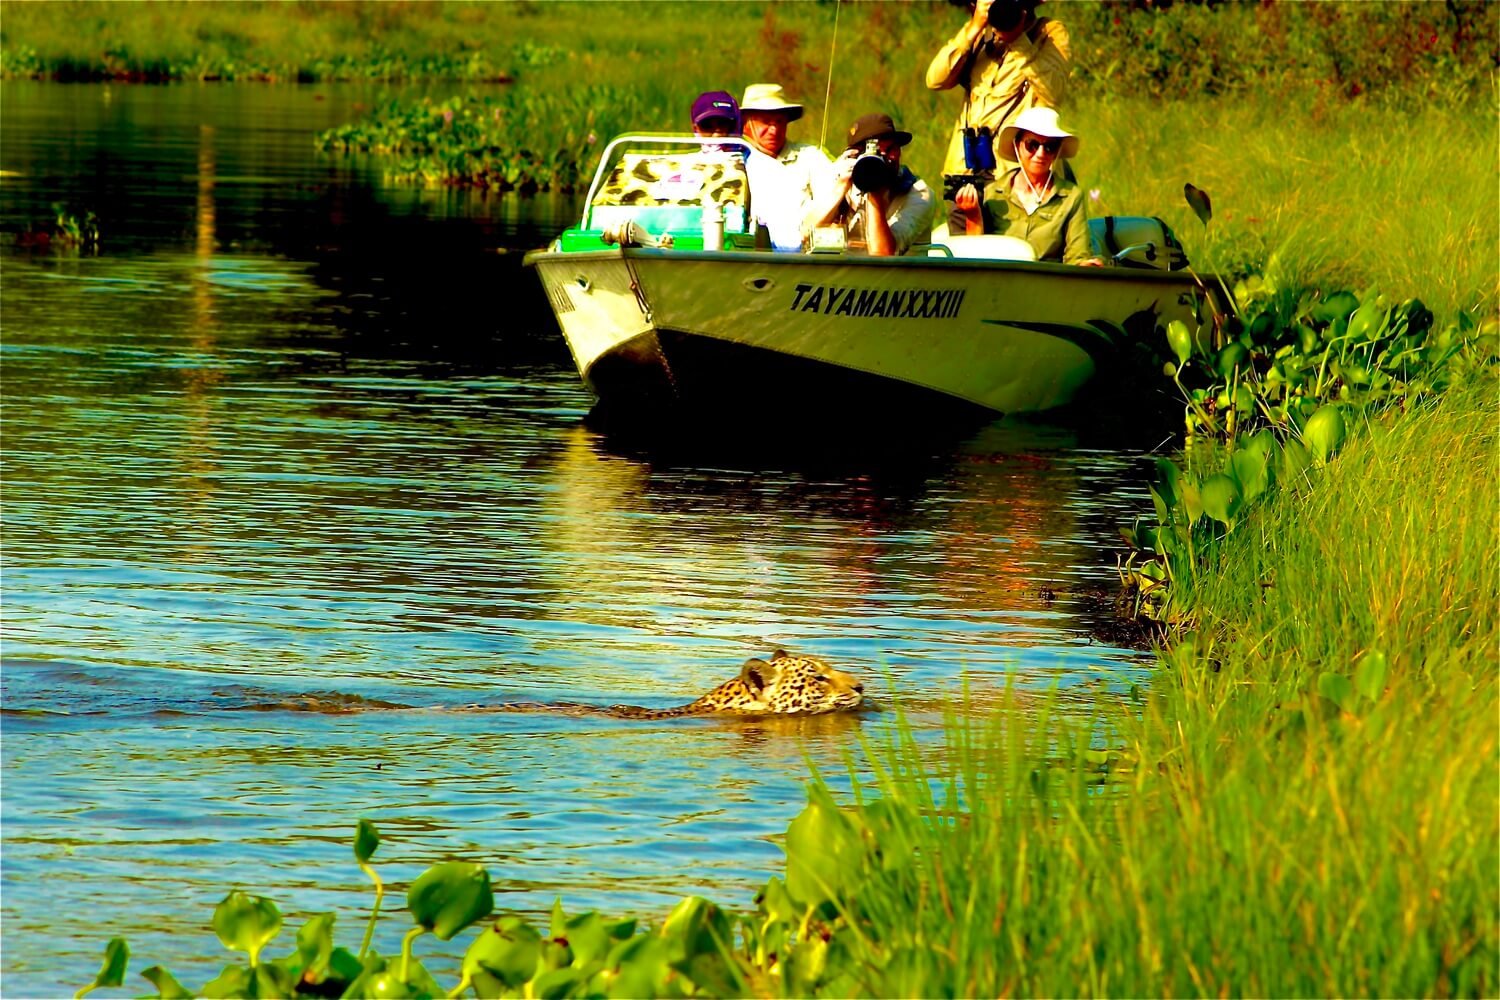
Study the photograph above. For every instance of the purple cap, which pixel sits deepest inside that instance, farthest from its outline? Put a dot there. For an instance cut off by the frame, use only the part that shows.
(716, 104)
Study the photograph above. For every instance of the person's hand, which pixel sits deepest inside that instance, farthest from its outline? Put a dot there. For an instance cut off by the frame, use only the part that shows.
(1091, 262)
(843, 168)
(880, 198)
(967, 200)
(981, 16)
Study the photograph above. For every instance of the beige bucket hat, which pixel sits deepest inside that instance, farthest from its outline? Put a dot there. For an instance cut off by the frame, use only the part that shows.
(1038, 121)
(769, 97)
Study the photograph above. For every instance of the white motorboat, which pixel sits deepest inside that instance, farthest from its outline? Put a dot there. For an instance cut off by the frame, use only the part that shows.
(654, 321)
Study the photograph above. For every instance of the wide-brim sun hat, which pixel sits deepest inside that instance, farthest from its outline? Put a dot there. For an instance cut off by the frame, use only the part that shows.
(1038, 121)
(769, 97)
(875, 126)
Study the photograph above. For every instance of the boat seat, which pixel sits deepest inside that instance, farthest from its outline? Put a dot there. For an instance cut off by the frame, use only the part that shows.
(1137, 241)
(661, 192)
(988, 247)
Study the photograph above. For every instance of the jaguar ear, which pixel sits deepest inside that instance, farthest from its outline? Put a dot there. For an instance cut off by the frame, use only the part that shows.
(756, 674)
(780, 654)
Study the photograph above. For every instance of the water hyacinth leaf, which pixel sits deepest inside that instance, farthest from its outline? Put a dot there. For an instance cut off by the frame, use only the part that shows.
(315, 946)
(366, 840)
(1337, 689)
(1366, 321)
(1232, 357)
(1192, 501)
(822, 853)
(559, 924)
(245, 922)
(1369, 675)
(167, 986)
(1159, 505)
(1251, 472)
(450, 896)
(588, 938)
(1167, 478)
(777, 902)
(557, 983)
(112, 969)
(386, 986)
(1199, 202)
(234, 981)
(1180, 340)
(643, 967)
(555, 953)
(1221, 498)
(1336, 306)
(1324, 432)
(509, 950)
(696, 927)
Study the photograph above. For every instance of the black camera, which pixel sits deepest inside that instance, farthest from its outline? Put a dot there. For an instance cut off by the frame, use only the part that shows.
(872, 171)
(952, 182)
(1007, 15)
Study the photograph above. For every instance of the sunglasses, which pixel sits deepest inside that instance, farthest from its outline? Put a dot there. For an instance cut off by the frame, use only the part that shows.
(1034, 145)
(716, 125)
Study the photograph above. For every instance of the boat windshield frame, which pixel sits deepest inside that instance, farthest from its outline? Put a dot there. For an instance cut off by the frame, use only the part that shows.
(654, 138)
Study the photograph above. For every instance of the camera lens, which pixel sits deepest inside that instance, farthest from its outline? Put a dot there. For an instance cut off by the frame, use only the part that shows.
(872, 171)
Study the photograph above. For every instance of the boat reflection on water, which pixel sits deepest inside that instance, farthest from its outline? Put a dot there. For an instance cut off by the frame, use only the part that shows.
(989, 559)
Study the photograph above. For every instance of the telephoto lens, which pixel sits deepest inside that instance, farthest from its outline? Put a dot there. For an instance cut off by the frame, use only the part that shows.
(872, 171)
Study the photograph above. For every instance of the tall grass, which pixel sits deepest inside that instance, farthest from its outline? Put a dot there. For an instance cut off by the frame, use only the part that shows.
(1253, 838)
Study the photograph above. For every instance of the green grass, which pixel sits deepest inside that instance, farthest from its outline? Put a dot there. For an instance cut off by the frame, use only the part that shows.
(1253, 838)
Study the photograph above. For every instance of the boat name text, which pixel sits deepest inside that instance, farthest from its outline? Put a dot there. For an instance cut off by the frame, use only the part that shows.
(913, 303)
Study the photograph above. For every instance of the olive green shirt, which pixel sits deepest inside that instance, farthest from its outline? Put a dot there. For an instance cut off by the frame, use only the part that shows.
(1057, 230)
(1035, 66)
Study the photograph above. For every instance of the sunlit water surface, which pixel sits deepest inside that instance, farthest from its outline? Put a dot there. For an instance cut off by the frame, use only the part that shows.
(295, 468)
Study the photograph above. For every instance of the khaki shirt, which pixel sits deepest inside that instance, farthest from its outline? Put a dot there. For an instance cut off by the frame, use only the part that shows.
(1057, 230)
(1039, 60)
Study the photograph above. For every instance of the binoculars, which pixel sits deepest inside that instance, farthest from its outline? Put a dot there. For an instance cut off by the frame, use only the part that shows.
(979, 149)
(872, 171)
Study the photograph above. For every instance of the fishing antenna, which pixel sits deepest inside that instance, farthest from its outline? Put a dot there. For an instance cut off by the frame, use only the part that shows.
(828, 93)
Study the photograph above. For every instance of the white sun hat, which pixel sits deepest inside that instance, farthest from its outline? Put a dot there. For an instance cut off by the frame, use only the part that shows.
(1038, 121)
(769, 97)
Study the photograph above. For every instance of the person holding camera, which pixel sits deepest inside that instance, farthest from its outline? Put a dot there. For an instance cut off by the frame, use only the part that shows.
(1007, 59)
(792, 187)
(1033, 200)
(884, 206)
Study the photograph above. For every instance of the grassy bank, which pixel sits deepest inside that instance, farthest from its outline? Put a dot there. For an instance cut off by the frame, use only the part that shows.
(1306, 796)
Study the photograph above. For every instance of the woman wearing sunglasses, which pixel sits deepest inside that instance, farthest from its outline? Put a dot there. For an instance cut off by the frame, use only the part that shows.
(1032, 200)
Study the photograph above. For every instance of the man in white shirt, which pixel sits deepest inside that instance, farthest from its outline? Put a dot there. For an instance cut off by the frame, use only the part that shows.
(884, 206)
(792, 187)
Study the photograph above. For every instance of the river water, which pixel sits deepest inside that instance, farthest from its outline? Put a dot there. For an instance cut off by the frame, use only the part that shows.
(296, 465)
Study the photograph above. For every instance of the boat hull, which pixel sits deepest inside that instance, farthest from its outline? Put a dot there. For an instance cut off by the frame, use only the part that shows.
(654, 329)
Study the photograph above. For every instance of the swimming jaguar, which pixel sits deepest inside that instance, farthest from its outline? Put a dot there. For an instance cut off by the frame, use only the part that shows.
(783, 685)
